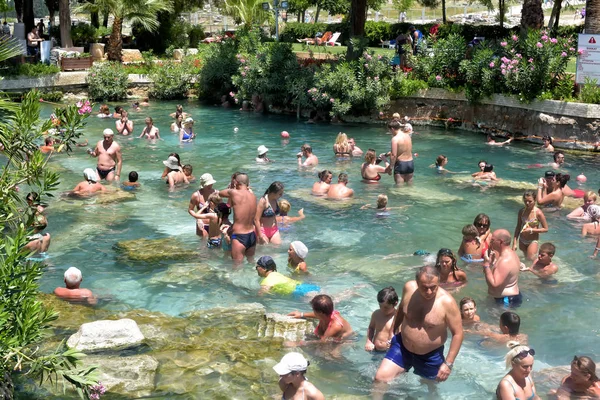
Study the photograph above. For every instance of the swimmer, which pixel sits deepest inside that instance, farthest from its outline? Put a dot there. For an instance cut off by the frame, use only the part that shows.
(179, 110)
(167, 170)
(550, 192)
(482, 222)
(261, 156)
(186, 134)
(198, 200)
(110, 159)
(225, 211)
(370, 169)
(401, 162)
(72, 291)
(132, 183)
(48, 147)
(38, 242)
(471, 248)
(580, 213)
(356, 151)
(488, 173)
(468, 311)
(382, 204)
(175, 176)
(297, 253)
(145, 102)
(450, 274)
(210, 213)
(331, 324)
(188, 170)
(104, 112)
(117, 113)
(124, 125)
(178, 124)
(90, 185)
(592, 228)
(284, 208)
(340, 190)
(321, 187)
(501, 270)
(341, 147)
(509, 325)
(311, 159)
(379, 332)
(150, 131)
(292, 380)
(481, 164)
(581, 383)
(518, 384)
(135, 105)
(547, 144)
(559, 160)
(531, 221)
(267, 211)
(492, 142)
(276, 282)
(543, 267)
(440, 163)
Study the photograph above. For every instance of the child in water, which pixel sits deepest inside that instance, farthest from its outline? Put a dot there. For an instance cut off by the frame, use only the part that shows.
(468, 311)
(187, 170)
(509, 325)
(132, 183)
(380, 328)
(296, 255)
(543, 267)
(470, 248)
(382, 202)
(284, 209)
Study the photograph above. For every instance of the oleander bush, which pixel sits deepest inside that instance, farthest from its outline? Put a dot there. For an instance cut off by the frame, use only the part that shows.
(107, 81)
(219, 64)
(403, 86)
(441, 67)
(172, 80)
(480, 75)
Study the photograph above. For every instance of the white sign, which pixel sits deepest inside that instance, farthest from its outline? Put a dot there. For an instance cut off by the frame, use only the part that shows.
(588, 59)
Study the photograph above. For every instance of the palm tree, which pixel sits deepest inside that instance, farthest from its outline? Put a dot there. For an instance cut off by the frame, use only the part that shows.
(246, 12)
(532, 15)
(142, 12)
(592, 16)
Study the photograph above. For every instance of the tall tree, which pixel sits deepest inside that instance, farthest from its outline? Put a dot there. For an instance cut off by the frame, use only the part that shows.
(52, 6)
(64, 17)
(358, 17)
(28, 15)
(19, 10)
(592, 16)
(245, 12)
(435, 4)
(532, 15)
(555, 15)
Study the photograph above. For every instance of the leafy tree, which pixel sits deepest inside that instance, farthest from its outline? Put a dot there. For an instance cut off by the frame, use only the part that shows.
(64, 17)
(299, 7)
(52, 6)
(245, 12)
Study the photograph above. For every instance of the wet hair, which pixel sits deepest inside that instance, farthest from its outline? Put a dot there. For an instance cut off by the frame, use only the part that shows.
(370, 156)
(284, 206)
(224, 209)
(382, 201)
(548, 248)
(306, 147)
(590, 196)
(387, 295)
(466, 300)
(548, 138)
(323, 304)
(481, 161)
(439, 160)
(394, 124)
(49, 141)
(214, 198)
(118, 109)
(179, 108)
(133, 176)
(512, 356)
(242, 179)
(556, 154)
(530, 193)
(481, 219)
(274, 187)
(429, 271)
(343, 177)
(445, 253)
(488, 168)
(562, 179)
(470, 230)
(104, 109)
(512, 321)
(324, 174)
(587, 366)
(342, 139)
(188, 168)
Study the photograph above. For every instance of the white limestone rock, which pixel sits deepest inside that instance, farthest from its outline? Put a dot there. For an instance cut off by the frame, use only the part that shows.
(106, 335)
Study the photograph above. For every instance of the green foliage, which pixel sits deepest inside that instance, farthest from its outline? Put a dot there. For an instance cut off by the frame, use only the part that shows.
(195, 34)
(53, 96)
(564, 88)
(589, 92)
(480, 75)
(83, 34)
(29, 70)
(445, 62)
(245, 12)
(403, 86)
(300, 30)
(377, 32)
(219, 65)
(107, 81)
(171, 81)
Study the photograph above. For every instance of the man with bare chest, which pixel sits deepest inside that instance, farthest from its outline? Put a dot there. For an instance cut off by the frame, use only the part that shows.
(109, 156)
(425, 314)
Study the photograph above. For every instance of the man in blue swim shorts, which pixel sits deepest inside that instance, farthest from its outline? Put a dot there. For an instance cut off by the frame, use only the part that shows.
(502, 272)
(401, 158)
(425, 315)
(243, 202)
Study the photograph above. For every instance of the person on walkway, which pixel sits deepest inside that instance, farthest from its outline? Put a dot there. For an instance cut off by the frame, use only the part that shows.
(421, 325)
(72, 291)
(517, 384)
(501, 270)
(416, 37)
(33, 42)
(402, 158)
(292, 380)
(110, 160)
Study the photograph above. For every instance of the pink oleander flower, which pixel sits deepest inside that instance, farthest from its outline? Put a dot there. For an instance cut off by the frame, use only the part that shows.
(232, 94)
(379, 57)
(79, 104)
(324, 94)
(513, 62)
(580, 51)
(518, 55)
(503, 44)
(515, 38)
(563, 54)
(376, 78)
(368, 57)
(331, 100)
(530, 60)
(545, 38)
(366, 65)
(571, 49)
(242, 60)
(438, 78)
(539, 45)
(243, 73)
(503, 72)
(381, 113)
(553, 41)
(246, 68)
(492, 65)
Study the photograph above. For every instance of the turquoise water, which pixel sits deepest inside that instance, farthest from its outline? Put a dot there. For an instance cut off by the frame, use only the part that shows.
(352, 253)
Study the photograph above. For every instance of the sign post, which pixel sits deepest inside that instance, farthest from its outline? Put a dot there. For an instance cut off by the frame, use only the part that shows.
(588, 59)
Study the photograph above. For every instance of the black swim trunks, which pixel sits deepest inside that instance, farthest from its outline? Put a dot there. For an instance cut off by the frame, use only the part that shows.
(404, 167)
(510, 301)
(248, 240)
(104, 173)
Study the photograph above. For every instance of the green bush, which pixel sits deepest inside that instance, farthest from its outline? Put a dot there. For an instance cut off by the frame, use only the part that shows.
(83, 34)
(442, 68)
(480, 75)
(171, 81)
(403, 86)
(195, 34)
(589, 92)
(219, 65)
(30, 70)
(300, 30)
(107, 81)
(54, 96)
(378, 32)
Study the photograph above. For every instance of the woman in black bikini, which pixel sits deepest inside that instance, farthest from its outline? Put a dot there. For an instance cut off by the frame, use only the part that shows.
(342, 148)
(370, 170)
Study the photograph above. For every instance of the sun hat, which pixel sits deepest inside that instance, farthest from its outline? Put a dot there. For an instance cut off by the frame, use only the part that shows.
(267, 263)
(90, 175)
(188, 120)
(300, 249)
(107, 132)
(172, 163)
(205, 180)
(262, 149)
(291, 362)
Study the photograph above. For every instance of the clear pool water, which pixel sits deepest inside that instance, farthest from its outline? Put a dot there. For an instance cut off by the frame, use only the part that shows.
(352, 254)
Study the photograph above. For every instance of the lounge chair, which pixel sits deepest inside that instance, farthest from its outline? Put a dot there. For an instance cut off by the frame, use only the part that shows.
(317, 41)
(333, 41)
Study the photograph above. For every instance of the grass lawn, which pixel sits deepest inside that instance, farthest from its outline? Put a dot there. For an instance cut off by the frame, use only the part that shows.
(572, 65)
(299, 47)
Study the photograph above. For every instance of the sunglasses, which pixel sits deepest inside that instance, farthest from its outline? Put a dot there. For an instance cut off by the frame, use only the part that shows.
(524, 354)
(480, 225)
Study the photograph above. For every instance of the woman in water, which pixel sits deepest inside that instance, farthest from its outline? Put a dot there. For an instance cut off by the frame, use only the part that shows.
(481, 164)
(175, 176)
(530, 223)
(550, 192)
(187, 133)
(166, 171)
(321, 187)
(482, 222)
(177, 125)
(450, 274)
(592, 228)
(582, 383)
(342, 148)
(331, 324)
(470, 247)
(267, 211)
(179, 110)
(547, 144)
(440, 163)
(580, 213)
(517, 384)
(370, 169)
(150, 131)
(104, 112)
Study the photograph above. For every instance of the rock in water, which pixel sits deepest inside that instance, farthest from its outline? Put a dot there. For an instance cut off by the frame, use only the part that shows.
(282, 326)
(133, 376)
(106, 335)
(114, 196)
(155, 249)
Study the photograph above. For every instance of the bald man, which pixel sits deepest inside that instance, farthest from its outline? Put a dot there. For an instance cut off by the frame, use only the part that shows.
(72, 292)
(501, 270)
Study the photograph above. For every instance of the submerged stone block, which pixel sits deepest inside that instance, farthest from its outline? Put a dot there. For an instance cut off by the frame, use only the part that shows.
(154, 249)
(106, 335)
(133, 376)
(282, 326)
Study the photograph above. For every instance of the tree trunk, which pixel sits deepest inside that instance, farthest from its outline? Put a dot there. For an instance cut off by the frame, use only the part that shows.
(303, 15)
(64, 17)
(28, 15)
(501, 11)
(19, 10)
(105, 20)
(298, 16)
(555, 15)
(317, 13)
(358, 17)
(592, 16)
(532, 15)
(115, 42)
(444, 12)
(95, 20)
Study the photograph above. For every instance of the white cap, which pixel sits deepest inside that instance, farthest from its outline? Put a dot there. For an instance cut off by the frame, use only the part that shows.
(90, 175)
(291, 362)
(107, 132)
(262, 149)
(300, 249)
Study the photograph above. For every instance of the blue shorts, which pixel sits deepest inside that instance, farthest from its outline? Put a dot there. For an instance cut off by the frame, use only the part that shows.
(468, 258)
(304, 288)
(426, 365)
(213, 243)
(510, 301)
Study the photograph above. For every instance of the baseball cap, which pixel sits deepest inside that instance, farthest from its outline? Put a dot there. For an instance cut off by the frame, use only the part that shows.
(291, 362)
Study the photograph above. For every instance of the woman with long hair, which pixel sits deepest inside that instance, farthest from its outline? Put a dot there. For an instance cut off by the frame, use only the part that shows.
(450, 274)
(531, 221)
(371, 170)
(267, 211)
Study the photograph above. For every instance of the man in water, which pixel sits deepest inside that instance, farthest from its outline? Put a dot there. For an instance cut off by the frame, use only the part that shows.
(501, 270)
(425, 314)
(243, 202)
(109, 156)
(559, 160)
(356, 151)
(311, 159)
(124, 125)
(72, 292)
(340, 190)
(402, 158)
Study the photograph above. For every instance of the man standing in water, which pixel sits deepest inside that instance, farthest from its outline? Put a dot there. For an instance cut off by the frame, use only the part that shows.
(501, 270)
(109, 156)
(311, 159)
(402, 158)
(243, 201)
(425, 314)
